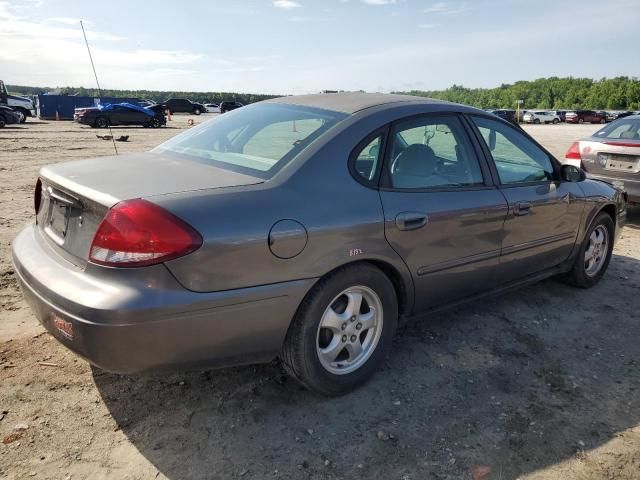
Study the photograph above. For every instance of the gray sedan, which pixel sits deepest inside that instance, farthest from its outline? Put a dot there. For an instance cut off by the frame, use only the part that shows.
(303, 228)
(612, 154)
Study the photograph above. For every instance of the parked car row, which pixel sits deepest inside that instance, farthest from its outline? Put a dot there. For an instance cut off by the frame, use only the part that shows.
(557, 116)
(145, 113)
(182, 105)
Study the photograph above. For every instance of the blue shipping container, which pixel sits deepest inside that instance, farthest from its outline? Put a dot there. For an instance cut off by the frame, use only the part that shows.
(64, 105)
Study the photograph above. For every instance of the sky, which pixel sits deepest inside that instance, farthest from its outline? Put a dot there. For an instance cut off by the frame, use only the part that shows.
(304, 46)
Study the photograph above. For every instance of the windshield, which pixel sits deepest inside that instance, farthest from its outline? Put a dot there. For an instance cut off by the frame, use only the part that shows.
(625, 129)
(257, 140)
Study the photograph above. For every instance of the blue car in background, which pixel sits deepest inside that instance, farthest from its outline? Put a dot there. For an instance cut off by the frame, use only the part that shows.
(103, 116)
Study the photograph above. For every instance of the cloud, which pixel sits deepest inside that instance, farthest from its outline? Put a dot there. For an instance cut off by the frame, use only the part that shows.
(309, 19)
(446, 8)
(286, 4)
(379, 2)
(426, 26)
(52, 52)
(5, 14)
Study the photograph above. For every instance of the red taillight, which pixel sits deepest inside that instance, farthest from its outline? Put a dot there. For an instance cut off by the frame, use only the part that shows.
(37, 196)
(574, 152)
(136, 233)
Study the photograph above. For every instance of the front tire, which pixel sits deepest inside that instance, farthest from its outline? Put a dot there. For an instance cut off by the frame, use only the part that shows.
(595, 253)
(342, 331)
(197, 111)
(101, 122)
(155, 122)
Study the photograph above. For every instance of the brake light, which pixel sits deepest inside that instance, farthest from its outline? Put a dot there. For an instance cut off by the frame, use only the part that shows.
(622, 144)
(574, 152)
(137, 233)
(37, 196)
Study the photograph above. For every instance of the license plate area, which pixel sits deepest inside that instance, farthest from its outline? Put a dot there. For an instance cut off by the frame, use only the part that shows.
(59, 209)
(619, 163)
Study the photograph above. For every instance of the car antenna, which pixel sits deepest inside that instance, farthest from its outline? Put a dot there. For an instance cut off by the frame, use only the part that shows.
(113, 140)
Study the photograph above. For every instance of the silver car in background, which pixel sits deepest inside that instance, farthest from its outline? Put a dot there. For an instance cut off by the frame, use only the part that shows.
(612, 154)
(540, 116)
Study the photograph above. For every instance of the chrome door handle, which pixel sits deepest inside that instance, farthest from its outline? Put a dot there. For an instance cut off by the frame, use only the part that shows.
(411, 220)
(522, 208)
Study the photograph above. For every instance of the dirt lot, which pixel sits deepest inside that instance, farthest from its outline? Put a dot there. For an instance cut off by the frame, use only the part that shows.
(538, 384)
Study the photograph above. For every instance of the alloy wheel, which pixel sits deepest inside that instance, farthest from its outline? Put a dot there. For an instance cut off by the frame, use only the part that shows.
(596, 252)
(349, 330)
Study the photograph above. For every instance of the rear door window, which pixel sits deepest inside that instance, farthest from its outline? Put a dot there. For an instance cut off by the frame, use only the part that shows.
(367, 158)
(432, 152)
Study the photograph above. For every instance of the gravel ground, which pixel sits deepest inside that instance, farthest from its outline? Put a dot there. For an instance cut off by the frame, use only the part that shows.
(541, 383)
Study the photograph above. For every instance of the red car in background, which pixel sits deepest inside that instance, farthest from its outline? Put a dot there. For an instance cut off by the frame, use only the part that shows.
(585, 116)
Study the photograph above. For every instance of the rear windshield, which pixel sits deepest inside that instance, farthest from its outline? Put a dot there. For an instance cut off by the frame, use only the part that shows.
(624, 129)
(257, 140)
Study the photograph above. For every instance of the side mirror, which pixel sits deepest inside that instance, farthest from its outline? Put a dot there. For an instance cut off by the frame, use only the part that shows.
(571, 173)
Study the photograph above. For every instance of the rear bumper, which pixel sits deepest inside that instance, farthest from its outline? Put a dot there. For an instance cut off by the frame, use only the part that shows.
(631, 187)
(135, 320)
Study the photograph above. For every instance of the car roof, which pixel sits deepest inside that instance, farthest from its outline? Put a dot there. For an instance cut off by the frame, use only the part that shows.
(352, 102)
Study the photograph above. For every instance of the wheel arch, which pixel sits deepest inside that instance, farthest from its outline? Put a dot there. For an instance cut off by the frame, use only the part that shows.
(608, 208)
(611, 209)
(402, 283)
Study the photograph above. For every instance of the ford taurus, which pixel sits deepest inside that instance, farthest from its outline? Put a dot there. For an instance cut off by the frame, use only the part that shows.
(303, 228)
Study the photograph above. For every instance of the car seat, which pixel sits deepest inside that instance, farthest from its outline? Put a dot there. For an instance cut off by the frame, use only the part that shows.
(414, 167)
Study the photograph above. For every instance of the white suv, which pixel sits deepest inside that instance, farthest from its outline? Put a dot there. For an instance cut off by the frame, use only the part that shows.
(540, 116)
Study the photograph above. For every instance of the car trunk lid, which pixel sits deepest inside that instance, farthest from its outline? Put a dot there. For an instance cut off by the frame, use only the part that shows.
(611, 157)
(76, 196)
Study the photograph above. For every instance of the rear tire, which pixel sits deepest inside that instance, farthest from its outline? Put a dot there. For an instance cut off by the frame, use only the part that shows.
(3, 122)
(580, 120)
(342, 331)
(595, 253)
(555, 121)
(536, 121)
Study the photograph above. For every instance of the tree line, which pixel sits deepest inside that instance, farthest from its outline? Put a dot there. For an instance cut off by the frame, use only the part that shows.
(620, 93)
(156, 95)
